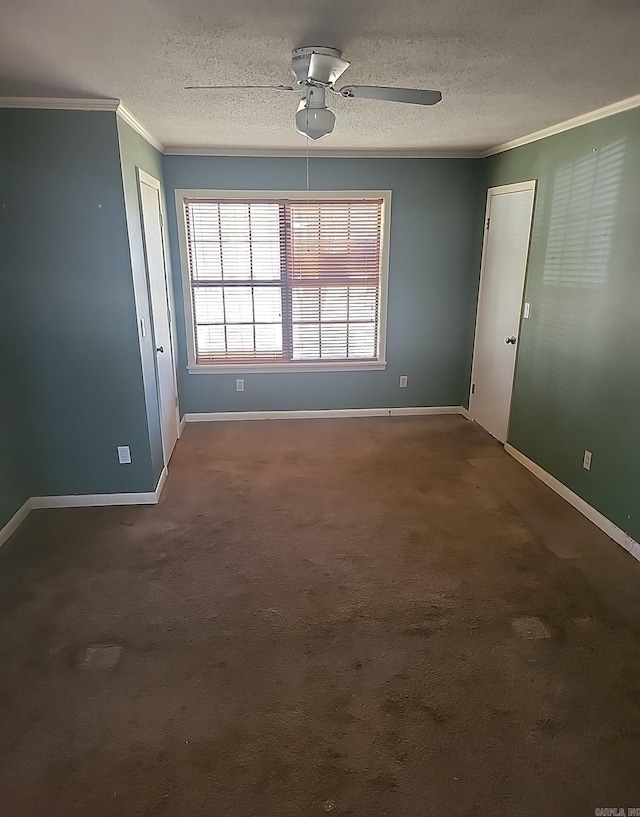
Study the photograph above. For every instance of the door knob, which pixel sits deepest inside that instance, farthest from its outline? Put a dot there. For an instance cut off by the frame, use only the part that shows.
(161, 348)
(512, 339)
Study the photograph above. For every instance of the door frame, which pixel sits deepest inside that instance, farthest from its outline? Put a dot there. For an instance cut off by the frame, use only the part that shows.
(499, 190)
(142, 177)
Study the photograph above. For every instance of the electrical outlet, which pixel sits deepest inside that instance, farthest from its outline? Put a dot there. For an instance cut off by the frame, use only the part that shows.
(527, 310)
(124, 454)
(239, 385)
(586, 460)
(404, 381)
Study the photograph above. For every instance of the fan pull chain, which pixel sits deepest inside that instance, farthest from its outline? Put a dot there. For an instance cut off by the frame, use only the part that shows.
(307, 144)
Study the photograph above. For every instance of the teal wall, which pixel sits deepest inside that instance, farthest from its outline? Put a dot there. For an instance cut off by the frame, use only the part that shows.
(77, 380)
(13, 479)
(136, 152)
(436, 233)
(577, 383)
(66, 270)
(14, 489)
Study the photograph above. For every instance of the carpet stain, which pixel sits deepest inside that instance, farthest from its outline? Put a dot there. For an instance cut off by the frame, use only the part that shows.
(100, 657)
(383, 782)
(530, 627)
(364, 617)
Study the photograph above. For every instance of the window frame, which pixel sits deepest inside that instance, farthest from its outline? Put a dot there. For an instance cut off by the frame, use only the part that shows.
(293, 195)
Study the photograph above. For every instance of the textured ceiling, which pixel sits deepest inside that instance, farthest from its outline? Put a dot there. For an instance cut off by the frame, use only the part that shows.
(506, 67)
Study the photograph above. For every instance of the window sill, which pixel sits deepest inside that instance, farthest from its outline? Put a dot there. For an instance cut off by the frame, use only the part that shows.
(273, 368)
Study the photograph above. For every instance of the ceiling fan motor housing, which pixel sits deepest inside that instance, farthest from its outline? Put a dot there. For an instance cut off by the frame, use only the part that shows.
(317, 65)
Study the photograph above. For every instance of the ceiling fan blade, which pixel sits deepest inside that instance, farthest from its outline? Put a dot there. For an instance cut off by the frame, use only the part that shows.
(414, 96)
(238, 87)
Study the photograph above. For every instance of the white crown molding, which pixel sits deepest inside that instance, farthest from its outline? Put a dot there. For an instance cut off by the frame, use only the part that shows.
(64, 104)
(60, 104)
(417, 153)
(606, 525)
(321, 414)
(569, 124)
(301, 153)
(125, 114)
(115, 105)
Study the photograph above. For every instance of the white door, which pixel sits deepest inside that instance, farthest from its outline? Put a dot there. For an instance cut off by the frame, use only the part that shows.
(504, 264)
(160, 313)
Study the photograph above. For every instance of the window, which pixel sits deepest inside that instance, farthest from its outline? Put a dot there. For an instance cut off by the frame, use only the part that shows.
(284, 281)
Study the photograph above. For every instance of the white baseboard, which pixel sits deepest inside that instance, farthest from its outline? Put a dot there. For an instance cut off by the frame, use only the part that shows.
(153, 497)
(101, 500)
(14, 523)
(181, 425)
(426, 410)
(223, 416)
(605, 525)
(81, 501)
(161, 481)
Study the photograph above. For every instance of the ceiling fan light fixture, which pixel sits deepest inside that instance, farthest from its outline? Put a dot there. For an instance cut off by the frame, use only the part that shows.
(314, 122)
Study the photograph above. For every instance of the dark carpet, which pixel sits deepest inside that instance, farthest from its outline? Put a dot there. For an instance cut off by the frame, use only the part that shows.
(364, 617)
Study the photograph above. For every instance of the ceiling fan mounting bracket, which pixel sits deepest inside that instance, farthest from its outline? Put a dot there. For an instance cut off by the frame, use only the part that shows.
(317, 65)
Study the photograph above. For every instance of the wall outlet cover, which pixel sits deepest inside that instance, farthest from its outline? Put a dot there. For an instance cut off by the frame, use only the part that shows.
(586, 460)
(404, 381)
(124, 454)
(239, 385)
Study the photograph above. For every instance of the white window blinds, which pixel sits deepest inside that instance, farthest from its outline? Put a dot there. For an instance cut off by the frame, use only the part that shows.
(284, 281)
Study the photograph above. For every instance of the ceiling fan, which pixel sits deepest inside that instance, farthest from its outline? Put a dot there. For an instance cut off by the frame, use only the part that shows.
(316, 69)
